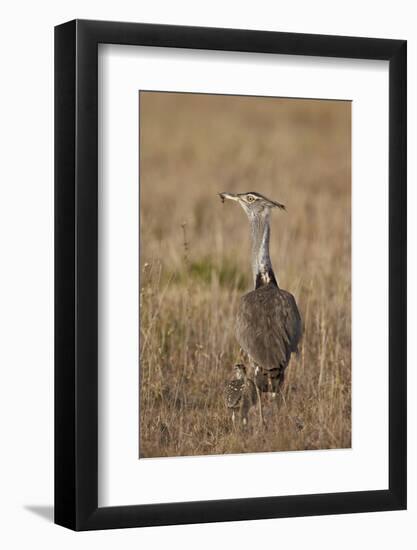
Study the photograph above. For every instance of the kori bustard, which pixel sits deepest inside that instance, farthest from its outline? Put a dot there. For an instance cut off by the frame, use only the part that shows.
(268, 324)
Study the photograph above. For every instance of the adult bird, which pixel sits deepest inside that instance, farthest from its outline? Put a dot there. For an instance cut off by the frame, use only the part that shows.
(268, 324)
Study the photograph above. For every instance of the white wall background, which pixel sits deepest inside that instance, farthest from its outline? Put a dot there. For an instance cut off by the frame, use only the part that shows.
(26, 272)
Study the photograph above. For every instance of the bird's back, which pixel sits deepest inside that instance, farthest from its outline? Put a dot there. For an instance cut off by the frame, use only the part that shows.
(269, 326)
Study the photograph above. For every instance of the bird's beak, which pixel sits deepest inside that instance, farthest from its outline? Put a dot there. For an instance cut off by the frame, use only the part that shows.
(231, 196)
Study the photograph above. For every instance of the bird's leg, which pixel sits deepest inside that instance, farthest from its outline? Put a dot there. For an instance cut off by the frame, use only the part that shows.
(233, 420)
(271, 386)
(275, 381)
(244, 419)
(281, 397)
(258, 394)
(261, 416)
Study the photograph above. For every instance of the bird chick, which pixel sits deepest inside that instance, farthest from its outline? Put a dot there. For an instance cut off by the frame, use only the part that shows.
(240, 394)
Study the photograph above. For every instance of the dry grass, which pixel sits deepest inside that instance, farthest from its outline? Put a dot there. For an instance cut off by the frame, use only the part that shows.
(195, 265)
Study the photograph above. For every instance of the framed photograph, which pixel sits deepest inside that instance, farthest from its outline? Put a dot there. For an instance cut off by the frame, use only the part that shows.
(230, 285)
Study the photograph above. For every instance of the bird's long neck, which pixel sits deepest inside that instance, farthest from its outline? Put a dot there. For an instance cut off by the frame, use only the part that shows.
(261, 262)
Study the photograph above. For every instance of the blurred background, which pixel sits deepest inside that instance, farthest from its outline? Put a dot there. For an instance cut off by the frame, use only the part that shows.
(195, 264)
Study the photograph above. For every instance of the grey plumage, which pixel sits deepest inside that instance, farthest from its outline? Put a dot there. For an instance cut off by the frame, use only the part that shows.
(268, 325)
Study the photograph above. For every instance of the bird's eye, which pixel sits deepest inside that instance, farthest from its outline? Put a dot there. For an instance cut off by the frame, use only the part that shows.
(250, 198)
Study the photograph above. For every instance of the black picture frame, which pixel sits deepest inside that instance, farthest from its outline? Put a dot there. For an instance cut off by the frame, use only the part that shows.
(76, 273)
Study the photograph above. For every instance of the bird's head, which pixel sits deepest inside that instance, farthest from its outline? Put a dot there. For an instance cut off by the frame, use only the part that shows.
(254, 204)
(239, 370)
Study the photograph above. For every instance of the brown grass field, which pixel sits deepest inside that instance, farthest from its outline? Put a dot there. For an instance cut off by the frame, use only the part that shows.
(195, 264)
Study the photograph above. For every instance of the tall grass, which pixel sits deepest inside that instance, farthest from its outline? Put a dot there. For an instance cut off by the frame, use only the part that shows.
(195, 265)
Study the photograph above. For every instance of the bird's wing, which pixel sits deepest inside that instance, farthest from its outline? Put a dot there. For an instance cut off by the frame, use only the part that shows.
(233, 393)
(268, 326)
